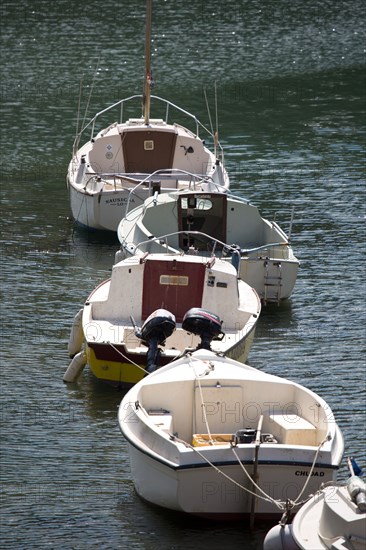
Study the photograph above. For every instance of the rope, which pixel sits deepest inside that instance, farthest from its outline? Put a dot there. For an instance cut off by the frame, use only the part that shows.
(283, 506)
(266, 497)
(127, 359)
(203, 405)
(91, 92)
(86, 210)
(269, 499)
(312, 467)
(278, 503)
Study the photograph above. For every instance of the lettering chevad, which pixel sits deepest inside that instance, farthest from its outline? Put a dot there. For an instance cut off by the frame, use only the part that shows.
(306, 473)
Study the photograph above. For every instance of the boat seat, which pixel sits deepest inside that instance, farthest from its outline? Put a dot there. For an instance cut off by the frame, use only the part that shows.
(291, 429)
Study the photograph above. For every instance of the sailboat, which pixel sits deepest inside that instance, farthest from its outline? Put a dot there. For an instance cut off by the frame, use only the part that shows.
(194, 222)
(131, 159)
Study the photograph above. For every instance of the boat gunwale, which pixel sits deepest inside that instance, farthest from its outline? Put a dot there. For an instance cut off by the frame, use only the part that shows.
(176, 467)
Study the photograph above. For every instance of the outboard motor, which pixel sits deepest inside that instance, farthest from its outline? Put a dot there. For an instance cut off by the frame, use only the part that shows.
(246, 435)
(155, 330)
(204, 324)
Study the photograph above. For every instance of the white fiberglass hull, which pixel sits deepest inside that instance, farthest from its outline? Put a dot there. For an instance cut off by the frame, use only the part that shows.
(330, 519)
(102, 210)
(203, 491)
(200, 429)
(273, 278)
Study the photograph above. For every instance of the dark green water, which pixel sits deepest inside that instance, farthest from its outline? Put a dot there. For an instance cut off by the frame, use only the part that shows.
(291, 91)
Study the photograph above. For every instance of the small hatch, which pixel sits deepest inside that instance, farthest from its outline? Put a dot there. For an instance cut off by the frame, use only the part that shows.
(148, 145)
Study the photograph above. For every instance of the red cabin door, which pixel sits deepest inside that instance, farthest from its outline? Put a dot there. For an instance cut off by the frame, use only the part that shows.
(145, 151)
(172, 285)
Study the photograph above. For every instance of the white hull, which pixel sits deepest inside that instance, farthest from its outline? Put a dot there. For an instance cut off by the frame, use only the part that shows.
(273, 278)
(202, 491)
(182, 425)
(104, 210)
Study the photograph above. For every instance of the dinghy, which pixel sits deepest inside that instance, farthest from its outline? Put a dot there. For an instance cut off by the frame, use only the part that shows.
(213, 437)
(155, 308)
(126, 161)
(333, 518)
(196, 221)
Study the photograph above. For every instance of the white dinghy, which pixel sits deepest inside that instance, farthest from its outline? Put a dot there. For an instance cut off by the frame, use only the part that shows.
(212, 437)
(129, 159)
(156, 307)
(190, 221)
(333, 518)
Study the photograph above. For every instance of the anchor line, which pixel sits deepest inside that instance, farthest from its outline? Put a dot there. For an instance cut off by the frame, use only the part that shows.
(268, 498)
(327, 438)
(86, 209)
(202, 403)
(281, 505)
(288, 503)
(127, 359)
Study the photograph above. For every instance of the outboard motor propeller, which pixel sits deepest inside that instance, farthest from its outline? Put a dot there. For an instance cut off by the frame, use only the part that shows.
(155, 330)
(204, 324)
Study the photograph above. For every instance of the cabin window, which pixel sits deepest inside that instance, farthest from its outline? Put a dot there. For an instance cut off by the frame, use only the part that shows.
(197, 204)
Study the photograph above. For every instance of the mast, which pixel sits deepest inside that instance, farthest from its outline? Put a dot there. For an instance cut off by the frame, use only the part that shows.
(216, 135)
(148, 76)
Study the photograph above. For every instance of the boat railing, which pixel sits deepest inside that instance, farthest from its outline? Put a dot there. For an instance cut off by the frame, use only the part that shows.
(216, 244)
(122, 102)
(288, 236)
(226, 249)
(236, 197)
(194, 180)
(144, 177)
(254, 250)
(140, 179)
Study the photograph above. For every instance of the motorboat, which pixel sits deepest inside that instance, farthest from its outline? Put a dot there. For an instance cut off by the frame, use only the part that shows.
(195, 222)
(213, 437)
(127, 160)
(155, 308)
(333, 518)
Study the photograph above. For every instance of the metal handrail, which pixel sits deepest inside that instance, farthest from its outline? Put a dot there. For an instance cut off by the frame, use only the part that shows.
(122, 102)
(233, 248)
(197, 179)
